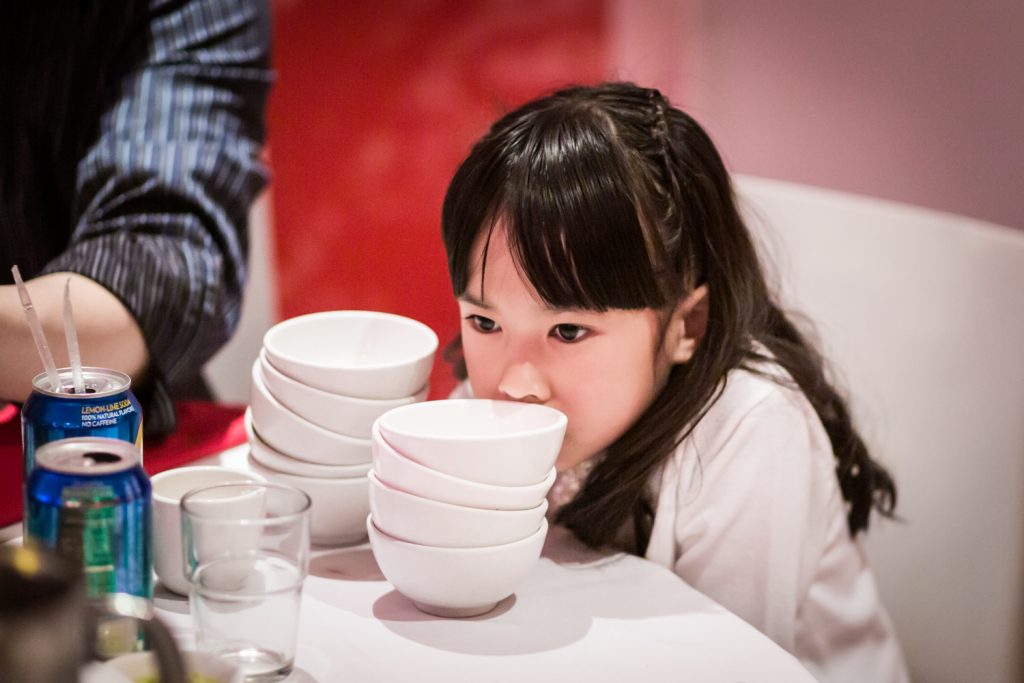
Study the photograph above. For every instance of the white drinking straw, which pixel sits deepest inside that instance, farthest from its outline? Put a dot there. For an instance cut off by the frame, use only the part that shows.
(37, 331)
(71, 335)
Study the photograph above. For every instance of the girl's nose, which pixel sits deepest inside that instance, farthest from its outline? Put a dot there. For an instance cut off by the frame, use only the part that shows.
(524, 382)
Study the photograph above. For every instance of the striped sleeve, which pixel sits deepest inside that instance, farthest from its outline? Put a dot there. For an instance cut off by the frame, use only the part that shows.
(164, 191)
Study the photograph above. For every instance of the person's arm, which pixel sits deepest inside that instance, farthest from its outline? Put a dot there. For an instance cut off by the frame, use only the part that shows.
(107, 333)
(752, 526)
(164, 191)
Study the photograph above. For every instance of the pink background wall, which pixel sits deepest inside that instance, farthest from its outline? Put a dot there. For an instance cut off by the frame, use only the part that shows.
(920, 101)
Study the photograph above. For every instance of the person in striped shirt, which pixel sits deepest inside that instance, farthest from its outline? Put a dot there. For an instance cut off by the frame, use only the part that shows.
(130, 142)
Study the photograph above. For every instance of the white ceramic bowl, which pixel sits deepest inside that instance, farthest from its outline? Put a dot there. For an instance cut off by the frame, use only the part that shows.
(429, 522)
(335, 412)
(455, 582)
(363, 354)
(339, 509)
(396, 470)
(168, 488)
(265, 455)
(142, 665)
(292, 435)
(492, 442)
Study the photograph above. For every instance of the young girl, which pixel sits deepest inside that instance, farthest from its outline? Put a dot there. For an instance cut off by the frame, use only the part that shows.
(602, 268)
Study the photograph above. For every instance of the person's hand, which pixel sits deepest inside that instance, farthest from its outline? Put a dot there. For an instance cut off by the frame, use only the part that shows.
(107, 334)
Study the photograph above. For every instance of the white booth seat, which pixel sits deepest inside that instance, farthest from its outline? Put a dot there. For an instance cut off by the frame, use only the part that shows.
(922, 316)
(228, 372)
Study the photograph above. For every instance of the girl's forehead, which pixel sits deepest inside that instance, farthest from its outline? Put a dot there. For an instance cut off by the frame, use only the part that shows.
(490, 250)
(490, 253)
(494, 273)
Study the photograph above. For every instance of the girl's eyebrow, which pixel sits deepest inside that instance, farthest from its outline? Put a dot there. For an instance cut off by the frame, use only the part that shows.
(470, 299)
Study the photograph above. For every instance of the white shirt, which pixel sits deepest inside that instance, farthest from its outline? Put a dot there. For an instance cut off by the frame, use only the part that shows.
(749, 512)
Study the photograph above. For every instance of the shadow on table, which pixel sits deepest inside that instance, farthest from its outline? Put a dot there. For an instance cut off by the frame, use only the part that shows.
(394, 606)
(535, 621)
(165, 599)
(571, 587)
(514, 627)
(301, 676)
(349, 564)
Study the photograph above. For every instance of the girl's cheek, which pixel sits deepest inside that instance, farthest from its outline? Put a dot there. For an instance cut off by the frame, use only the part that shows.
(482, 371)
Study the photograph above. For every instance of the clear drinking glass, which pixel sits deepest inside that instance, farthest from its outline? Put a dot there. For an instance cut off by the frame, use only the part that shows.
(245, 549)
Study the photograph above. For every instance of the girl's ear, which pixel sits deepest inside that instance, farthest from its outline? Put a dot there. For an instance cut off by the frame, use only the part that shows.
(687, 325)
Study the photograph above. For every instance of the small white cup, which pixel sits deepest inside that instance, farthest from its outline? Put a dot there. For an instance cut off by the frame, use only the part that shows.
(168, 488)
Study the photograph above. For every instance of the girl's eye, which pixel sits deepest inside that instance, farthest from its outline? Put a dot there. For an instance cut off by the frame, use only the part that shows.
(482, 324)
(569, 333)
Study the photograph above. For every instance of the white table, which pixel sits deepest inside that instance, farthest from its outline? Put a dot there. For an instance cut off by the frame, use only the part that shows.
(580, 615)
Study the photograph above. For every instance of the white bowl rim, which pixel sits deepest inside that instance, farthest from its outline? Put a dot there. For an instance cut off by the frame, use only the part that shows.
(486, 512)
(180, 469)
(268, 338)
(208, 519)
(375, 434)
(476, 549)
(259, 468)
(267, 364)
(261, 387)
(324, 471)
(560, 422)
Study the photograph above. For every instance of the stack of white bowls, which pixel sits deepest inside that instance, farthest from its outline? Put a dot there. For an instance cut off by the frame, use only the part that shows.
(318, 386)
(458, 499)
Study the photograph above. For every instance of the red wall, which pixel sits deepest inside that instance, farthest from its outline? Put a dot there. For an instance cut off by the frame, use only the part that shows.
(374, 106)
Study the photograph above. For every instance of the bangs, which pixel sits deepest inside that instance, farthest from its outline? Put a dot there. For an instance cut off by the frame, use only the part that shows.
(565, 192)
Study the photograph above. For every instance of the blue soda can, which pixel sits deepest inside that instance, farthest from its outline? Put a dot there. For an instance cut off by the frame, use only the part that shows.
(108, 408)
(89, 500)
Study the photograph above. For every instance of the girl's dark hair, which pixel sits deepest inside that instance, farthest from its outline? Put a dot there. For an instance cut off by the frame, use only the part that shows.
(613, 199)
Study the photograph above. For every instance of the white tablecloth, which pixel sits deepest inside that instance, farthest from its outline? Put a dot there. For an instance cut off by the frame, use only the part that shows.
(580, 615)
